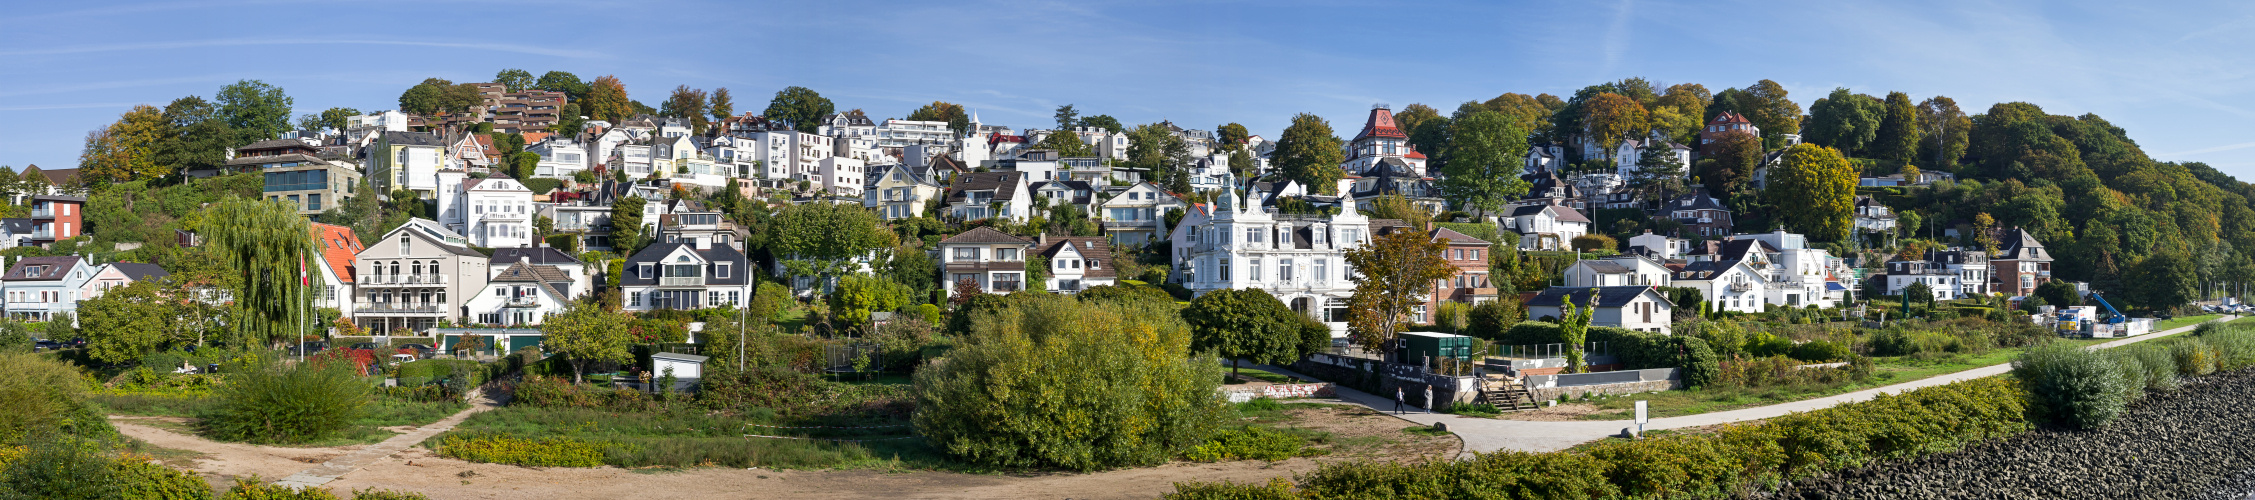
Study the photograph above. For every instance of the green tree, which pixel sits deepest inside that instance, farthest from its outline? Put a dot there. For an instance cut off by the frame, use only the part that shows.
(1244, 324)
(1232, 134)
(857, 295)
(1898, 130)
(1573, 330)
(1154, 149)
(1394, 206)
(1066, 143)
(1106, 122)
(688, 104)
(1528, 112)
(1414, 114)
(723, 106)
(606, 100)
(1067, 117)
(587, 334)
(1845, 121)
(199, 139)
(561, 81)
(1487, 152)
(515, 80)
(2164, 280)
(1821, 186)
(338, 118)
(269, 246)
(1736, 156)
(957, 119)
(1659, 172)
(1310, 154)
(1765, 103)
(626, 225)
(1398, 272)
(825, 239)
(1056, 382)
(259, 110)
(125, 323)
(1942, 132)
(422, 99)
(799, 107)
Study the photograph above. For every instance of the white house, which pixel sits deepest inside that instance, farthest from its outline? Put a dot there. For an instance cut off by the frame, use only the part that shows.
(1659, 246)
(414, 277)
(1299, 258)
(897, 192)
(1945, 284)
(1544, 226)
(560, 157)
(1726, 285)
(1640, 308)
(690, 274)
(1619, 270)
(984, 195)
(582, 279)
(1076, 263)
(520, 295)
(993, 260)
(1138, 214)
(494, 212)
(38, 288)
(407, 160)
(117, 274)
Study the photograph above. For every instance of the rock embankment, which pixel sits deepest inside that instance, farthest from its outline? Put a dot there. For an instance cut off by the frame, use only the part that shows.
(2194, 443)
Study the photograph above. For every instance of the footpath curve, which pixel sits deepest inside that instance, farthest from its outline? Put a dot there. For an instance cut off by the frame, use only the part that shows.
(1489, 434)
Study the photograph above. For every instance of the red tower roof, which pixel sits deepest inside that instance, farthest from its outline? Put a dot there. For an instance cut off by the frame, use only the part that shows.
(1381, 124)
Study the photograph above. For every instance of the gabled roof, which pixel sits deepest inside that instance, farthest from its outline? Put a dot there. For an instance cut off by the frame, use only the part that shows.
(2021, 246)
(1456, 238)
(1604, 266)
(338, 246)
(984, 235)
(18, 226)
(138, 271)
(537, 255)
(397, 138)
(1096, 249)
(717, 253)
(1704, 270)
(53, 268)
(1566, 214)
(1607, 296)
(522, 272)
(439, 235)
(1004, 184)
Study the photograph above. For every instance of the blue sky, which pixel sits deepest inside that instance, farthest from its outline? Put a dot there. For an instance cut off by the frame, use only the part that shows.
(2177, 75)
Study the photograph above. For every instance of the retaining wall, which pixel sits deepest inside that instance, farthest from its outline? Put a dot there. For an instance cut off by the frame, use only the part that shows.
(1579, 385)
(1382, 379)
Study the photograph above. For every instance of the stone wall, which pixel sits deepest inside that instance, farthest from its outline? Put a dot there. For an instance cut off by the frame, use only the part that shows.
(1579, 391)
(1382, 379)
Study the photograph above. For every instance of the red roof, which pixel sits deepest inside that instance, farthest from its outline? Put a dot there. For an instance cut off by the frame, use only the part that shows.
(1381, 124)
(1728, 117)
(536, 137)
(338, 246)
(1414, 155)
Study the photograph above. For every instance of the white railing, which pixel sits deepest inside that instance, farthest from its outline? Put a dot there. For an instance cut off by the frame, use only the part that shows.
(681, 281)
(402, 279)
(398, 307)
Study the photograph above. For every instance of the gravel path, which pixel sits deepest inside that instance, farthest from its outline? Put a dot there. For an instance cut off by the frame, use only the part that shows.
(339, 466)
(1489, 434)
(2188, 444)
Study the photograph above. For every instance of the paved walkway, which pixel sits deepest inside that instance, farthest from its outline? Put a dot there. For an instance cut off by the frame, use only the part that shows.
(1489, 434)
(338, 467)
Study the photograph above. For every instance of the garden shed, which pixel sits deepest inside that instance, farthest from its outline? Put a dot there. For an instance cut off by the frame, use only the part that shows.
(1416, 346)
(687, 368)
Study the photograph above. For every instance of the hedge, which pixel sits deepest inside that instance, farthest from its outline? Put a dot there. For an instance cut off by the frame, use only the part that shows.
(1738, 457)
(505, 449)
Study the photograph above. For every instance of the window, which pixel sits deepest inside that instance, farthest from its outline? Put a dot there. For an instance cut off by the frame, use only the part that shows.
(967, 253)
(499, 292)
(1417, 313)
(1224, 275)
(1284, 270)
(644, 270)
(404, 249)
(1255, 269)
(720, 270)
(634, 299)
(1475, 254)
(1006, 254)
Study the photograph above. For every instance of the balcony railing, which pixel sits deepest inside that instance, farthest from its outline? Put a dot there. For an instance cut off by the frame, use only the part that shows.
(402, 279)
(1006, 286)
(43, 213)
(681, 281)
(397, 308)
(525, 301)
(43, 234)
(1741, 286)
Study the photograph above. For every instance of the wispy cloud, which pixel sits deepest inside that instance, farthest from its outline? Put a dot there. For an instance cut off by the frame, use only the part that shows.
(1617, 35)
(245, 42)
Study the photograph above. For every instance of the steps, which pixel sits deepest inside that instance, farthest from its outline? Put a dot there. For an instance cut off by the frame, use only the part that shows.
(1506, 393)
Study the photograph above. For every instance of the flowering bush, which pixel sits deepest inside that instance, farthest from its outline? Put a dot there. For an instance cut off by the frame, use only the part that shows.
(504, 449)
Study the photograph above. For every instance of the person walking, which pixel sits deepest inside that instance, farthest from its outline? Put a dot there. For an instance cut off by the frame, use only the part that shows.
(1428, 398)
(1397, 400)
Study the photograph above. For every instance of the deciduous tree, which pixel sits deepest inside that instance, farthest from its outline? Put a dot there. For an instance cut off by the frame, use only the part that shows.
(1898, 130)
(1310, 154)
(1844, 120)
(626, 224)
(823, 239)
(1820, 185)
(1244, 324)
(1942, 132)
(1106, 122)
(259, 110)
(560, 81)
(1232, 134)
(957, 119)
(1611, 118)
(270, 248)
(1398, 272)
(125, 323)
(1737, 154)
(800, 107)
(515, 80)
(587, 334)
(688, 104)
(127, 149)
(607, 101)
(1414, 114)
(1487, 152)
(723, 106)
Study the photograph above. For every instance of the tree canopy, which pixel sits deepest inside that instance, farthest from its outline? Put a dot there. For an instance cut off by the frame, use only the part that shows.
(1309, 153)
(1398, 272)
(800, 107)
(1487, 152)
(258, 110)
(1820, 185)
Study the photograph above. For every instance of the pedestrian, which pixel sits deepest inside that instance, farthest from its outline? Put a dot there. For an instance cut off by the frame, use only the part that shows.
(1428, 398)
(1397, 400)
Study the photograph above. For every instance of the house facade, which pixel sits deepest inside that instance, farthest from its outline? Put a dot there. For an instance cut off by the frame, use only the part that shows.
(117, 274)
(55, 218)
(407, 160)
(1299, 258)
(686, 275)
(1619, 270)
(899, 193)
(1544, 226)
(1726, 284)
(494, 212)
(993, 260)
(415, 276)
(521, 294)
(1640, 308)
(1137, 215)
(987, 195)
(338, 247)
(1076, 263)
(2021, 264)
(1468, 255)
(39, 288)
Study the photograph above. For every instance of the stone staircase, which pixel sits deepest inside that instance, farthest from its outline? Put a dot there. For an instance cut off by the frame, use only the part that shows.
(1506, 393)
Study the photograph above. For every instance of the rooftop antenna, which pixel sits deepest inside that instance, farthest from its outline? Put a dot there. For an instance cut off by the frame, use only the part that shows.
(1381, 105)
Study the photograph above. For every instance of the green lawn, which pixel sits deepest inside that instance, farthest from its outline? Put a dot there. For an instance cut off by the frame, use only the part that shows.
(791, 320)
(2182, 321)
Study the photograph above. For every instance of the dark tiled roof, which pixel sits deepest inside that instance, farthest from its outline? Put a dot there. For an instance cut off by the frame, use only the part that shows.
(52, 268)
(413, 139)
(984, 234)
(2021, 246)
(1704, 270)
(1004, 185)
(718, 253)
(522, 272)
(1607, 296)
(537, 255)
(140, 272)
(1093, 248)
(17, 225)
(1606, 266)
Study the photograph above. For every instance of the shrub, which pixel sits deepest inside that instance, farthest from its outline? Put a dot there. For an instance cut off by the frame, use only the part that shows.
(1249, 443)
(1054, 382)
(504, 449)
(1275, 489)
(137, 477)
(2074, 387)
(2235, 347)
(375, 494)
(43, 394)
(59, 467)
(1530, 333)
(252, 489)
(1821, 351)
(286, 403)
(2149, 366)
(2194, 358)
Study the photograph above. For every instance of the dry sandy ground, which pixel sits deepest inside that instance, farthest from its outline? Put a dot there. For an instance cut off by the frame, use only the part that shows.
(1358, 433)
(1562, 413)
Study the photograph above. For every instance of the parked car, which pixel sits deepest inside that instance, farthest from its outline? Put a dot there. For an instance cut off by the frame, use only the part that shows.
(75, 343)
(420, 350)
(363, 345)
(47, 345)
(308, 348)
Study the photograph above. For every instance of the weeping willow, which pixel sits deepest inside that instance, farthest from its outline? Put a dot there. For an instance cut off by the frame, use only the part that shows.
(273, 249)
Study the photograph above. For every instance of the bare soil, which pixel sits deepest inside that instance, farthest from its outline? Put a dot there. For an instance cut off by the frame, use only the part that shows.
(1357, 433)
(1561, 413)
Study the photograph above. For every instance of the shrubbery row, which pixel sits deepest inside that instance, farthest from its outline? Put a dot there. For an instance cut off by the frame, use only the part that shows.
(1737, 458)
(2079, 388)
(505, 449)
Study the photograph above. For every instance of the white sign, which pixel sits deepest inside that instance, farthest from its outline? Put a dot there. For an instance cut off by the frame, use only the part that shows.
(1641, 418)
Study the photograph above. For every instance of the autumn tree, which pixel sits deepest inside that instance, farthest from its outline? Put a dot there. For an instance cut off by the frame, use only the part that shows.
(1486, 153)
(1310, 154)
(1530, 113)
(688, 104)
(513, 79)
(1820, 185)
(607, 101)
(585, 334)
(953, 114)
(258, 110)
(1244, 324)
(800, 107)
(1414, 114)
(1766, 104)
(1737, 154)
(1397, 207)
(1985, 232)
(1398, 271)
(1898, 130)
(1612, 118)
(127, 149)
(722, 106)
(1232, 134)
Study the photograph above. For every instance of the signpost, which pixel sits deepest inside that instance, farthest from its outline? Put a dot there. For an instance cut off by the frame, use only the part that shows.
(1641, 418)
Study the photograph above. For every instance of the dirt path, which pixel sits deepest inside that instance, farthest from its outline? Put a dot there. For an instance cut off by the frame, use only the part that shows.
(332, 469)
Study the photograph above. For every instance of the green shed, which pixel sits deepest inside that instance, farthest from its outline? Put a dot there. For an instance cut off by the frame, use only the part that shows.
(1416, 346)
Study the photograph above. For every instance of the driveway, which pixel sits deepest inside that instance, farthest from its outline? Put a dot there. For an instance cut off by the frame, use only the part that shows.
(1489, 434)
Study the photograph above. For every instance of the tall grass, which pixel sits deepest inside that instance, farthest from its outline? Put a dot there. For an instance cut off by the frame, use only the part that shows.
(696, 438)
(2076, 387)
(38, 393)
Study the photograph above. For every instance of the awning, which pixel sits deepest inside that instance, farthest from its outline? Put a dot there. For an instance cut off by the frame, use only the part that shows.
(1831, 286)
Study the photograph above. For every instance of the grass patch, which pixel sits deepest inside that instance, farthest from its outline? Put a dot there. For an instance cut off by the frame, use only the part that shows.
(2183, 321)
(171, 457)
(1270, 411)
(151, 405)
(691, 438)
(1273, 378)
(380, 412)
(1254, 443)
(1426, 430)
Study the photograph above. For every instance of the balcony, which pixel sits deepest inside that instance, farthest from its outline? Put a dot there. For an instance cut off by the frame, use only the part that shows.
(503, 215)
(1006, 286)
(525, 301)
(682, 281)
(1741, 286)
(43, 234)
(401, 279)
(43, 213)
(397, 308)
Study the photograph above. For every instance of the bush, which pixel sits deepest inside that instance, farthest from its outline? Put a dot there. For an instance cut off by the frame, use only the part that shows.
(2235, 347)
(2074, 387)
(1529, 333)
(1275, 489)
(1054, 382)
(137, 477)
(62, 467)
(374, 494)
(2150, 366)
(504, 449)
(286, 403)
(43, 394)
(252, 489)
(2194, 358)
(1821, 351)
(1249, 443)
